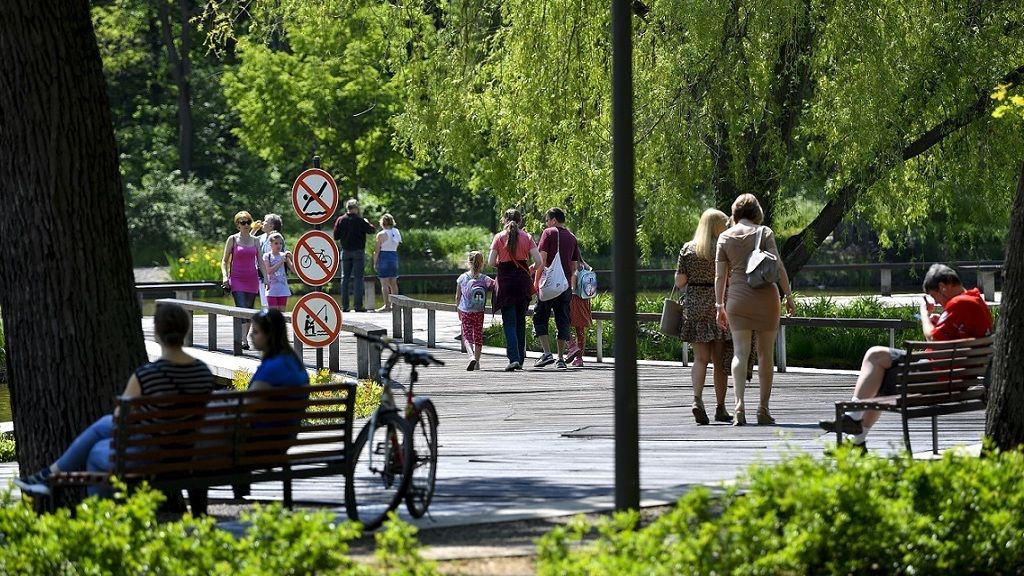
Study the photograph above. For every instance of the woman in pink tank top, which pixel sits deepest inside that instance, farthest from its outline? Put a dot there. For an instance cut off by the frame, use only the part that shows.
(242, 255)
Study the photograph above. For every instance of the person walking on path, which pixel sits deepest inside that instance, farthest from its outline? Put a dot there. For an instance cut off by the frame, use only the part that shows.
(580, 318)
(695, 274)
(238, 267)
(271, 223)
(175, 372)
(510, 249)
(745, 309)
(350, 231)
(471, 297)
(964, 315)
(277, 263)
(385, 259)
(555, 241)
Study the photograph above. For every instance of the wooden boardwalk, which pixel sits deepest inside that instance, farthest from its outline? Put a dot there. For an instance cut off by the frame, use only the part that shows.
(541, 441)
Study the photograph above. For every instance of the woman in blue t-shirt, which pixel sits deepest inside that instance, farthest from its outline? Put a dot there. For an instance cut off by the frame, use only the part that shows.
(281, 367)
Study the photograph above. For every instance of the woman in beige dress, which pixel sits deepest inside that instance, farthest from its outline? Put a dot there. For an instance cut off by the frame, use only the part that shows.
(747, 309)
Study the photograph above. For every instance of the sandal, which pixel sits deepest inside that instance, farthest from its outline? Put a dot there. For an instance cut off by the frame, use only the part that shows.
(699, 413)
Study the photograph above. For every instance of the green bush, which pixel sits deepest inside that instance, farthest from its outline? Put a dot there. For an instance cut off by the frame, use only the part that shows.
(850, 515)
(7, 452)
(124, 537)
(200, 264)
(166, 214)
(448, 245)
(367, 393)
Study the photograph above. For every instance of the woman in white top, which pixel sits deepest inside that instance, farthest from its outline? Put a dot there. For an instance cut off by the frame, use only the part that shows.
(385, 259)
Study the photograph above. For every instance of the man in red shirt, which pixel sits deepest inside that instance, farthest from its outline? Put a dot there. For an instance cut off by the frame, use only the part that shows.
(964, 315)
(555, 241)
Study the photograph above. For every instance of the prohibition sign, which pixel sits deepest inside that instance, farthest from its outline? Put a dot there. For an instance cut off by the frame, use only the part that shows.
(315, 196)
(316, 319)
(316, 258)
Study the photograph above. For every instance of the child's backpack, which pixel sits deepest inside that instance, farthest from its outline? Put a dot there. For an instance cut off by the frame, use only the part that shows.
(478, 294)
(586, 284)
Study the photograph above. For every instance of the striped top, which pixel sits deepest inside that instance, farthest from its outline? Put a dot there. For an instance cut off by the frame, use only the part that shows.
(163, 377)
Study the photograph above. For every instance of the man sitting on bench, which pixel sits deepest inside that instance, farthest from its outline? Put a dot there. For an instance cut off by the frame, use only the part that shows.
(964, 315)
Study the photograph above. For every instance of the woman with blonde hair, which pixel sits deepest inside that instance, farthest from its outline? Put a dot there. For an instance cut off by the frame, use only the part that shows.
(385, 259)
(238, 267)
(695, 274)
(746, 310)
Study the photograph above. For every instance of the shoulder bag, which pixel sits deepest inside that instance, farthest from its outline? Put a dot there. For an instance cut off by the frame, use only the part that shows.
(762, 266)
(553, 281)
(671, 315)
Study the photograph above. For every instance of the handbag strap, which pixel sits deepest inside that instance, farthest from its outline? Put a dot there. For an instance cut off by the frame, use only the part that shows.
(757, 241)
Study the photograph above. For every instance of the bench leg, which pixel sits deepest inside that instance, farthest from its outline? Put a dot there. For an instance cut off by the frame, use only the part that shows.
(286, 486)
(935, 434)
(906, 434)
(839, 428)
(198, 499)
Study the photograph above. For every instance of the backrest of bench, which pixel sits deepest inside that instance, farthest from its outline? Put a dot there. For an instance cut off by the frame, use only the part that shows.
(167, 435)
(945, 367)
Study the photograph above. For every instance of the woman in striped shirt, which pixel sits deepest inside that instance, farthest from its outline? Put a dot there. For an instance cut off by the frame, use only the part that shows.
(175, 372)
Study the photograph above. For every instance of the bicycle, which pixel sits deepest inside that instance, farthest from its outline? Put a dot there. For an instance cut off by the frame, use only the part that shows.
(395, 455)
(324, 258)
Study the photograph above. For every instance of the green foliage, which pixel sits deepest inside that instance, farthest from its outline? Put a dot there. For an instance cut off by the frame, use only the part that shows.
(165, 215)
(447, 245)
(367, 398)
(398, 550)
(7, 447)
(850, 515)
(200, 264)
(1011, 100)
(123, 536)
(843, 348)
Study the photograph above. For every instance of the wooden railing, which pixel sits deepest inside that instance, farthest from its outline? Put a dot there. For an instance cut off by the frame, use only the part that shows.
(367, 356)
(402, 325)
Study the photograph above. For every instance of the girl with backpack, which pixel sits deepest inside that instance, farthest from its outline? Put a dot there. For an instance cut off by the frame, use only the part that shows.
(471, 295)
(580, 317)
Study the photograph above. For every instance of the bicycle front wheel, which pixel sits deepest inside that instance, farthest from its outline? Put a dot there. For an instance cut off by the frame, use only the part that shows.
(424, 472)
(381, 462)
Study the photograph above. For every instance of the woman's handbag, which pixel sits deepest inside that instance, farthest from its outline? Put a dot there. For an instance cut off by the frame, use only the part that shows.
(762, 266)
(671, 315)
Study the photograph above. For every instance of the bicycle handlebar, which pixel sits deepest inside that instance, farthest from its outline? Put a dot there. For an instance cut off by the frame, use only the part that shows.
(411, 354)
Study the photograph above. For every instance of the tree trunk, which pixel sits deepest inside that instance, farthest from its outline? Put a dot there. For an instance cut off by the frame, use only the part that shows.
(181, 72)
(1005, 422)
(72, 323)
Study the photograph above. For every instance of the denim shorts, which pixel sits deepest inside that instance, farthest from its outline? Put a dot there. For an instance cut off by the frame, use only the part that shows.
(889, 379)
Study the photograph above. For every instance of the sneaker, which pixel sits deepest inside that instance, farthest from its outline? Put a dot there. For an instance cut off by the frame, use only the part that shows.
(574, 351)
(577, 362)
(512, 366)
(545, 360)
(518, 366)
(848, 424)
(560, 364)
(364, 310)
(37, 483)
(472, 366)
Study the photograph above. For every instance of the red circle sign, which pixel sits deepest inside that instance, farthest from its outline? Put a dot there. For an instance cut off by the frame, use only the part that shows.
(316, 258)
(315, 196)
(316, 319)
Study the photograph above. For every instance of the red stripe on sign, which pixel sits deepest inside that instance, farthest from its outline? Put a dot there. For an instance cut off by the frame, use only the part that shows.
(315, 257)
(322, 324)
(314, 196)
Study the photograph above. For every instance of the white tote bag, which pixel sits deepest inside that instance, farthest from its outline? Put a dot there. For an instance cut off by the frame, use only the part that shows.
(553, 281)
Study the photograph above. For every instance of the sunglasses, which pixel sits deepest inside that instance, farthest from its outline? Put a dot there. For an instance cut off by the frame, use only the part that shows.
(243, 222)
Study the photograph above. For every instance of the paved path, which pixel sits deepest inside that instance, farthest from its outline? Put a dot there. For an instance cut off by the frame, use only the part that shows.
(541, 442)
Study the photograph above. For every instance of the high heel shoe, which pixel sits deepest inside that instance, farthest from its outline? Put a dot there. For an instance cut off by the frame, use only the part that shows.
(741, 418)
(764, 417)
(721, 415)
(699, 413)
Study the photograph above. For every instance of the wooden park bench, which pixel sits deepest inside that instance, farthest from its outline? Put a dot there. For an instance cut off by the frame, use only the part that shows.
(194, 442)
(934, 379)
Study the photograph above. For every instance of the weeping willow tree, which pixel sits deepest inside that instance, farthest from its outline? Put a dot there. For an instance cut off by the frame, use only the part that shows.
(878, 107)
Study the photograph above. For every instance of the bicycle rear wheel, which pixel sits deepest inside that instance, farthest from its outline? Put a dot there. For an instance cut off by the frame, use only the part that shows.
(382, 461)
(424, 472)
